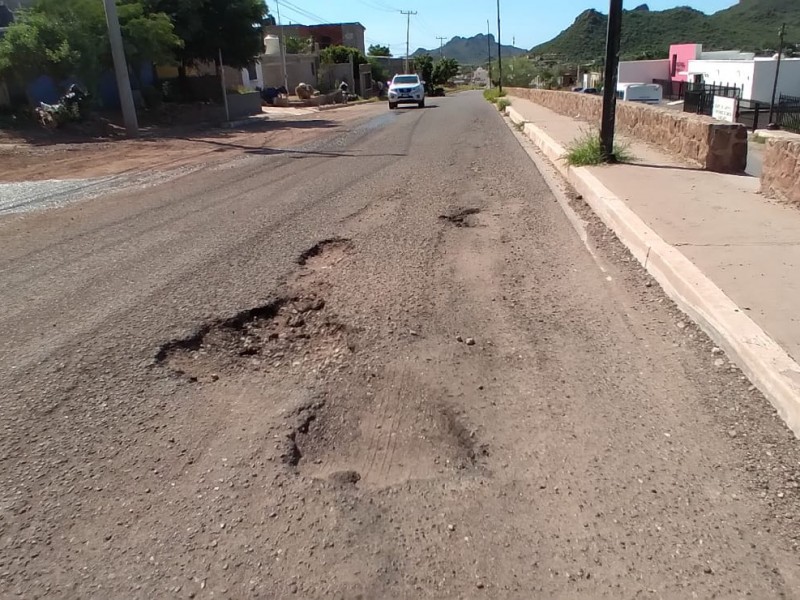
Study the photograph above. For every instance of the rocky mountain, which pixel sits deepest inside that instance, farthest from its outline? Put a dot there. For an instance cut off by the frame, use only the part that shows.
(471, 51)
(750, 25)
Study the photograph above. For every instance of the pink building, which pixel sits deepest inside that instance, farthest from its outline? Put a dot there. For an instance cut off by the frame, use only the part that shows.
(679, 57)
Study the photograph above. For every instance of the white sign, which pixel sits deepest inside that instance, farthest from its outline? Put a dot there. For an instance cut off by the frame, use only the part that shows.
(724, 109)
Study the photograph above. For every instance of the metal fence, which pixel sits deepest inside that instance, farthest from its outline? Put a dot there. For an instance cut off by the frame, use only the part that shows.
(753, 114)
(788, 112)
(699, 97)
(672, 90)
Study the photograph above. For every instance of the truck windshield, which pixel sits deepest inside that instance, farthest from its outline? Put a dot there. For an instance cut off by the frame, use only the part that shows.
(406, 79)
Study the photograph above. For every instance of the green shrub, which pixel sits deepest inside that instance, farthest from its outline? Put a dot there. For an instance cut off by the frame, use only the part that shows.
(586, 151)
(493, 94)
(503, 103)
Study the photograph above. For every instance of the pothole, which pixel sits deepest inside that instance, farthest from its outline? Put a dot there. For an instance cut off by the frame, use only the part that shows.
(386, 441)
(325, 254)
(463, 217)
(297, 333)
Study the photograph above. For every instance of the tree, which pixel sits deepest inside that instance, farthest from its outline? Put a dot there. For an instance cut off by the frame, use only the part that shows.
(424, 66)
(379, 72)
(296, 45)
(444, 70)
(208, 26)
(65, 38)
(520, 71)
(378, 50)
(336, 55)
(36, 45)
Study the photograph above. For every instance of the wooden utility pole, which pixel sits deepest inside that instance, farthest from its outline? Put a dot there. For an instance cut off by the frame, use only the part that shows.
(782, 33)
(610, 81)
(441, 46)
(499, 52)
(121, 69)
(408, 13)
(489, 44)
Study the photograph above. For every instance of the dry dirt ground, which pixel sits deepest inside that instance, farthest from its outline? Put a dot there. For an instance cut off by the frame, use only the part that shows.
(62, 157)
(384, 368)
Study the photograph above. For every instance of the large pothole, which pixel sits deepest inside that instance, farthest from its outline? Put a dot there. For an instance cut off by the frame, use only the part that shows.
(288, 333)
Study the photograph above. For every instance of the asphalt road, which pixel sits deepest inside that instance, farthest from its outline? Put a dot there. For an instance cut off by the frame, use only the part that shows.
(380, 366)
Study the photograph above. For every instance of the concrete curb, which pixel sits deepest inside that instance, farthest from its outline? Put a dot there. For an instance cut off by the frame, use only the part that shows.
(764, 362)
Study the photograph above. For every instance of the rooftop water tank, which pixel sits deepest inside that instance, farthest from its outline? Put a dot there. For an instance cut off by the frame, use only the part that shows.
(272, 45)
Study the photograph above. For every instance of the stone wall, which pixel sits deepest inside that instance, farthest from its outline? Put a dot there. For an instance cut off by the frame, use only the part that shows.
(715, 146)
(780, 176)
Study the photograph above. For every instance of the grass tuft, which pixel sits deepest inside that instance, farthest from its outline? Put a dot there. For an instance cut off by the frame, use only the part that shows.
(503, 103)
(586, 151)
(493, 95)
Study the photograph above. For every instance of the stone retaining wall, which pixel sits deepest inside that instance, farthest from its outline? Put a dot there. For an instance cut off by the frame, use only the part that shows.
(780, 176)
(715, 146)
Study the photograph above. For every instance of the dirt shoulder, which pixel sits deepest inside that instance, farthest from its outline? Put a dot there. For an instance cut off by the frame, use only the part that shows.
(65, 158)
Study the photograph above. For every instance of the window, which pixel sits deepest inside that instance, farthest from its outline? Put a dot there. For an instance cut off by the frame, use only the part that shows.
(251, 72)
(674, 65)
(407, 79)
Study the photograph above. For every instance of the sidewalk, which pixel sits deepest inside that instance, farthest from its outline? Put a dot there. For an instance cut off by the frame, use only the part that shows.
(745, 244)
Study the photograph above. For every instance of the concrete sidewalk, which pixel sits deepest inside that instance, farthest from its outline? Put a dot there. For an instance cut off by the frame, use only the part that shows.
(746, 245)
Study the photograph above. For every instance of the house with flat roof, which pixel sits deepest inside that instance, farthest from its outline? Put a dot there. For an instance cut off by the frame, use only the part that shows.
(328, 34)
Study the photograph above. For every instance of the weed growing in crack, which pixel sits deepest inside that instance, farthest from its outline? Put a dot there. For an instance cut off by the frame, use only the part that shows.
(586, 150)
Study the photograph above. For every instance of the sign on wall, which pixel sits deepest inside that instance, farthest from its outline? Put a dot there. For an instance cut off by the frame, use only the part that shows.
(725, 109)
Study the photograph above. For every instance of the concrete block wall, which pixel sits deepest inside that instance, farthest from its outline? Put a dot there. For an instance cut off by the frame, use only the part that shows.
(713, 145)
(780, 176)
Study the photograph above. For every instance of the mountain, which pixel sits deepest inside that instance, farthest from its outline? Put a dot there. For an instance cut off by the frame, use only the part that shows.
(750, 25)
(471, 51)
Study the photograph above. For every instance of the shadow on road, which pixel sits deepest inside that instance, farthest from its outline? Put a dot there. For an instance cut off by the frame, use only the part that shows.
(264, 151)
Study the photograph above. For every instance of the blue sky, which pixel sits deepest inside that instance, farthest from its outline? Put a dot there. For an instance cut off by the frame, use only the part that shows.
(527, 22)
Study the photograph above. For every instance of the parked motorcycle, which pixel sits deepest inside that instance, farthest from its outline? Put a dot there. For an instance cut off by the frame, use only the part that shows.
(71, 108)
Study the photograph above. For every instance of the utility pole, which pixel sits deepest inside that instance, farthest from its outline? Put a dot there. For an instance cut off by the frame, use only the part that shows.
(283, 47)
(610, 80)
(224, 86)
(441, 46)
(777, 72)
(121, 69)
(408, 13)
(499, 51)
(489, 44)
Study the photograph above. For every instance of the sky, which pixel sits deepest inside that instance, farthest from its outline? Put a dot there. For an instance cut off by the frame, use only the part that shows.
(524, 22)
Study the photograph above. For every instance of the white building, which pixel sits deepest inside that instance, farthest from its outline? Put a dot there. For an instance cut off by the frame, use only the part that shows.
(643, 71)
(481, 77)
(754, 76)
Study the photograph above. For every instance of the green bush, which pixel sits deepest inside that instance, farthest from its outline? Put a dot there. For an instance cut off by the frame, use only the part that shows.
(503, 103)
(586, 151)
(493, 94)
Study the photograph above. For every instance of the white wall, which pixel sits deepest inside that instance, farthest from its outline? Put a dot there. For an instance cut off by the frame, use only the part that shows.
(643, 71)
(754, 77)
(253, 83)
(788, 79)
(726, 72)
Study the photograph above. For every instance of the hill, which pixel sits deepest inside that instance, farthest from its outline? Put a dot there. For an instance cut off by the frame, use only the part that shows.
(751, 25)
(471, 51)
